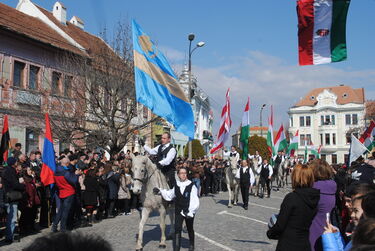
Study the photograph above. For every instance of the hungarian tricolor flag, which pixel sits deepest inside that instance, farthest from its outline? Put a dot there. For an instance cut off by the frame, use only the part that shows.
(315, 152)
(270, 134)
(293, 146)
(368, 137)
(244, 138)
(49, 164)
(322, 31)
(280, 140)
(5, 141)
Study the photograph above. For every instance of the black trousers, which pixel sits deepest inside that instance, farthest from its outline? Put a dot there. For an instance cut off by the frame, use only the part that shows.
(266, 181)
(179, 219)
(245, 194)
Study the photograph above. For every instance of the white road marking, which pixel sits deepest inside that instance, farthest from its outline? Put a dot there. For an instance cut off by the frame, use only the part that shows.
(214, 242)
(258, 205)
(241, 216)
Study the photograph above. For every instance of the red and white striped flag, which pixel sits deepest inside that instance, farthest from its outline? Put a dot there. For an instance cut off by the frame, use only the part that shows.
(225, 125)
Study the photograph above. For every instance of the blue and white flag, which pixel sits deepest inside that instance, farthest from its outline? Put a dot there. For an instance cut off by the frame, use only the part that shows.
(156, 84)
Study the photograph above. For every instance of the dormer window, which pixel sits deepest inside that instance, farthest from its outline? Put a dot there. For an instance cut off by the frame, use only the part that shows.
(312, 98)
(345, 95)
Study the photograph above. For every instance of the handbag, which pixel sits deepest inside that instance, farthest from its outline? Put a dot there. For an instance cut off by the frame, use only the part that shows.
(14, 196)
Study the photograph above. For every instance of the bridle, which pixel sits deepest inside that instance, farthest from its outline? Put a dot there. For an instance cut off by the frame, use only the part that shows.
(145, 176)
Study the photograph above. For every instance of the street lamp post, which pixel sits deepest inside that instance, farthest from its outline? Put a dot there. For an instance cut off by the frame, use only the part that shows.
(200, 44)
(260, 120)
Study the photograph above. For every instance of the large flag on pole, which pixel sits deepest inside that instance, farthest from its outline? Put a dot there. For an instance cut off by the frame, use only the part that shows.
(293, 146)
(48, 158)
(5, 141)
(280, 140)
(356, 149)
(315, 151)
(244, 138)
(156, 84)
(270, 134)
(225, 125)
(322, 31)
(368, 137)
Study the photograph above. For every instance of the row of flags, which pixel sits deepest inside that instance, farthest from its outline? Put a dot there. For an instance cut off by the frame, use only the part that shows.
(48, 157)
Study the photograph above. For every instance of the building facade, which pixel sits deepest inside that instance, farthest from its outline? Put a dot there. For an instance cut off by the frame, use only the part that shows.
(203, 115)
(326, 117)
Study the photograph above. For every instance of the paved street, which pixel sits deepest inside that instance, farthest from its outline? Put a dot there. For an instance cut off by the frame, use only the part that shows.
(217, 227)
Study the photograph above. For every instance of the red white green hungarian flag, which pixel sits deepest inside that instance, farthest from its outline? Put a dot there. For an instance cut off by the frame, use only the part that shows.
(368, 137)
(270, 134)
(322, 31)
(315, 152)
(244, 138)
(280, 140)
(293, 146)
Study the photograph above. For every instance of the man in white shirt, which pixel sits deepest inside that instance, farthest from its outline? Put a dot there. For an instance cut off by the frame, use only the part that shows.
(246, 177)
(166, 157)
(265, 171)
(234, 154)
(257, 157)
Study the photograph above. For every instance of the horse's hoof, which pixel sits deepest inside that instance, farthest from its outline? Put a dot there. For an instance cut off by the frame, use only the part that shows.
(140, 249)
(229, 206)
(162, 246)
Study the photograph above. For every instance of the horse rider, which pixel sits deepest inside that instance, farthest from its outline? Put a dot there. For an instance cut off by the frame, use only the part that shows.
(234, 154)
(185, 194)
(265, 171)
(247, 179)
(278, 159)
(165, 157)
(257, 157)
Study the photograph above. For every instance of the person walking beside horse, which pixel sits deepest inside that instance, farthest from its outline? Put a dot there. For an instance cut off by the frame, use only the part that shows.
(246, 178)
(186, 205)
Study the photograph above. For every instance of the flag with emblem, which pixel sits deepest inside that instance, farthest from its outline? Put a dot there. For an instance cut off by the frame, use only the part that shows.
(322, 31)
(156, 85)
(245, 125)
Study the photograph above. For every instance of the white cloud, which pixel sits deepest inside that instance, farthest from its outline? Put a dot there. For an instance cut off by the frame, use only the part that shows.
(174, 56)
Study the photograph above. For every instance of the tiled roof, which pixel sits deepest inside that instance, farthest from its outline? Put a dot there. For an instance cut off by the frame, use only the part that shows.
(345, 95)
(258, 128)
(31, 27)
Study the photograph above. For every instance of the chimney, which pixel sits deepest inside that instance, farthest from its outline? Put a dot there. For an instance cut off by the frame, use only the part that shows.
(77, 22)
(59, 12)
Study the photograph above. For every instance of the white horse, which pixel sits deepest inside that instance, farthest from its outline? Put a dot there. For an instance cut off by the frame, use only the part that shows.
(254, 166)
(232, 182)
(146, 176)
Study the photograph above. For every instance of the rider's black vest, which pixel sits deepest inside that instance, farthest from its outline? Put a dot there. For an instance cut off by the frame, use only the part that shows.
(244, 177)
(278, 160)
(233, 154)
(162, 155)
(182, 201)
(265, 172)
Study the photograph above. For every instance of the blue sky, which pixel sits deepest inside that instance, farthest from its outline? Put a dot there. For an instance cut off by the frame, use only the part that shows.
(251, 46)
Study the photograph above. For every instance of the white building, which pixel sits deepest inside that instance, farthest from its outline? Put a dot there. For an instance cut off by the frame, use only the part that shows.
(203, 116)
(326, 117)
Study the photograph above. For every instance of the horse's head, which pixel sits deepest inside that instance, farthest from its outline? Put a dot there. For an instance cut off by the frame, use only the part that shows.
(139, 168)
(233, 165)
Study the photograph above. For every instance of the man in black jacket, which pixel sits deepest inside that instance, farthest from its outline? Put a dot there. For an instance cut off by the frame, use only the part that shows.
(11, 184)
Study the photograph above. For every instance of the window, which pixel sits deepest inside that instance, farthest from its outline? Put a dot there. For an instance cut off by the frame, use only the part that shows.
(348, 138)
(67, 85)
(321, 138)
(302, 139)
(56, 79)
(327, 120)
(327, 139)
(308, 121)
(332, 119)
(334, 158)
(354, 119)
(333, 138)
(33, 77)
(301, 121)
(321, 120)
(323, 157)
(18, 73)
(308, 139)
(291, 121)
(347, 119)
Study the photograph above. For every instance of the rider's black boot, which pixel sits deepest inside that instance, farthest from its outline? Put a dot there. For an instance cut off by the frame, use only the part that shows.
(177, 242)
(191, 246)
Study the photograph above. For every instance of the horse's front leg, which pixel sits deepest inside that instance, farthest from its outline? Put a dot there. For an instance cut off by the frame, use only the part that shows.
(145, 214)
(230, 195)
(163, 213)
(235, 196)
